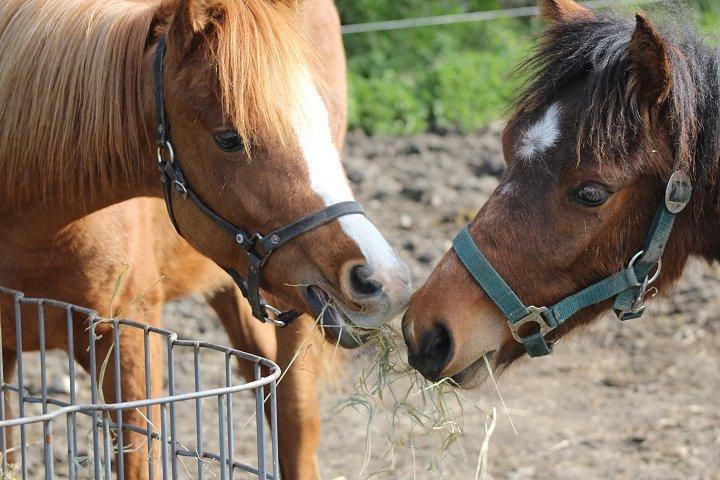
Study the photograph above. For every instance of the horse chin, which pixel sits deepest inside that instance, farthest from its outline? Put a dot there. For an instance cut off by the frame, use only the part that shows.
(334, 324)
(474, 374)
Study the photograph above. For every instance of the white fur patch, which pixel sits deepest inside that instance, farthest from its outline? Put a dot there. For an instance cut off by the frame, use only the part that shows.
(542, 135)
(508, 188)
(311, 123)
(327, 178)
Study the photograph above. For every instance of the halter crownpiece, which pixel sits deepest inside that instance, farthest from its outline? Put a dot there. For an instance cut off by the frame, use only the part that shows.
(256, 247)
(629, 286)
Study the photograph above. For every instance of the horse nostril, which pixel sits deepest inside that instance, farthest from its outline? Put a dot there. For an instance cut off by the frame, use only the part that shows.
(434, 353)
(361, 282)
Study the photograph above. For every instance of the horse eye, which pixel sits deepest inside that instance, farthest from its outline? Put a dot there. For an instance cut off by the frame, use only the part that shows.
(591, 194)
(228, 140)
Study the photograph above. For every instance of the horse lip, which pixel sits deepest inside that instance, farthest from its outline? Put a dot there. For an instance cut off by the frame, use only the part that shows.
(335, 326)
(470, 376)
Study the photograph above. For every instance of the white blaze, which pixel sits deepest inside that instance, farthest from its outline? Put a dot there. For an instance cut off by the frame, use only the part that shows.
(542, 135)
(311, 123)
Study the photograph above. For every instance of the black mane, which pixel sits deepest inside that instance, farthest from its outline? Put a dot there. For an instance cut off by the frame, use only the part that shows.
(593, 52)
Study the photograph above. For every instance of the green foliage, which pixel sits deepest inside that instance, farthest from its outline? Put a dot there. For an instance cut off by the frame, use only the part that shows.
(470, 90)
(385, 104)
(473, 88)
(451, 77)
(710, 21)
(709, 6)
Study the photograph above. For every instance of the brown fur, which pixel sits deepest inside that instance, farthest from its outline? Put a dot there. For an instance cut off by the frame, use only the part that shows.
(79, 194)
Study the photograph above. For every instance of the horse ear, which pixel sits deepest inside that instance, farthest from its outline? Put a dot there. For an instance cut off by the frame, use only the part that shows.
(190, 18)
(564, 11)
(649, 68)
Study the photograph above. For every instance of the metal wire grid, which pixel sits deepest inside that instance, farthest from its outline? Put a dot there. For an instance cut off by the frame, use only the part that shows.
(105, 438)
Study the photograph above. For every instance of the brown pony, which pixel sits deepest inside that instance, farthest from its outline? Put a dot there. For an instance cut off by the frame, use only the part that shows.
(613, 107)
(256, 134)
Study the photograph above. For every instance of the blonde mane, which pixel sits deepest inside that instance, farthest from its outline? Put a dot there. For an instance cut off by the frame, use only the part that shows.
(71, 80)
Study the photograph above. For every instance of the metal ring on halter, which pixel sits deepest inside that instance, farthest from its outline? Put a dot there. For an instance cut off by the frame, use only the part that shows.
(657, 273)
(277, 313)
(171, 152)
(655, 276)
(635, 258)
(180, 188)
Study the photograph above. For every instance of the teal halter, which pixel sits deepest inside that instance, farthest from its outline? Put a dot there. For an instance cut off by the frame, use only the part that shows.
(629, 285)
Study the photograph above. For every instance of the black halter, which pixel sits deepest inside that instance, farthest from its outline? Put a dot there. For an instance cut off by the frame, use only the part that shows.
(256, 246)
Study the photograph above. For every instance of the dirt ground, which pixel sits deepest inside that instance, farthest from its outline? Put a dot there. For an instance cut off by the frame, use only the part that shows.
(637, 400)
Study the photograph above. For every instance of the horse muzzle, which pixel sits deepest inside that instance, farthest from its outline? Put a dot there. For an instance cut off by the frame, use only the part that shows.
(335, 325)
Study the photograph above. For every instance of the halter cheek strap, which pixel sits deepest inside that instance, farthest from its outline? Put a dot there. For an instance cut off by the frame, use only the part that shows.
(256, 247)
(629, 285)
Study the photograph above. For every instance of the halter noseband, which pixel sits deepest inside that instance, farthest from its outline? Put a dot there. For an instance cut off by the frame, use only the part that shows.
(629, 285)
(256, 246)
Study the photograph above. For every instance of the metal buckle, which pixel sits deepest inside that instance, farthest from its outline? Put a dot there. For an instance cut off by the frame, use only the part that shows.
(180, 188)
(535, 316)
(277, 313)
(171, 153)
(257, 240)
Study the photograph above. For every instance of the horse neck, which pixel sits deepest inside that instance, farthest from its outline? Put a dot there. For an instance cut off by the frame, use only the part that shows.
(142, 170)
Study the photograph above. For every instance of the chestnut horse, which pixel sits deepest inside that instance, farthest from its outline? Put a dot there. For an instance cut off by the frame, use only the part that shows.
(619, 121)
(257, 135)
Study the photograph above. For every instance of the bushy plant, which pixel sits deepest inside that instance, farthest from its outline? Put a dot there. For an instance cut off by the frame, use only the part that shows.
(471, 90)
(449, 78)
(709, 5)
(474, 87)
(385, 104)
(710, 19)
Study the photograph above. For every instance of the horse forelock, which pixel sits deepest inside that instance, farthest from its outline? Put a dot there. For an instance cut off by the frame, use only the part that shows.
(262, 62)
(591, 55)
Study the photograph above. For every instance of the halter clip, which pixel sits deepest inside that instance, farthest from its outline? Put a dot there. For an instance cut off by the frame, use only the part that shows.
(535, 316)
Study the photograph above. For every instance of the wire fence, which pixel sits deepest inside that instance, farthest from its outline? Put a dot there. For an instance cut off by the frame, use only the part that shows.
(467, 17)
(164, 420)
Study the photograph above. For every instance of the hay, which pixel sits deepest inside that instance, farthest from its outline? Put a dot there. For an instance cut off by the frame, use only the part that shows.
(483, 456)
(401, 406)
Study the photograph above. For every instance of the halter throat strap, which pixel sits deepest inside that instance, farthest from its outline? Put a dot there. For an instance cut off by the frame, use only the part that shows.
(629, 286)
(256, 247)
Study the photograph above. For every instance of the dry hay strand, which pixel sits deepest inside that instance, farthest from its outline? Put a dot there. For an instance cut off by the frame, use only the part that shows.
(404, 409)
